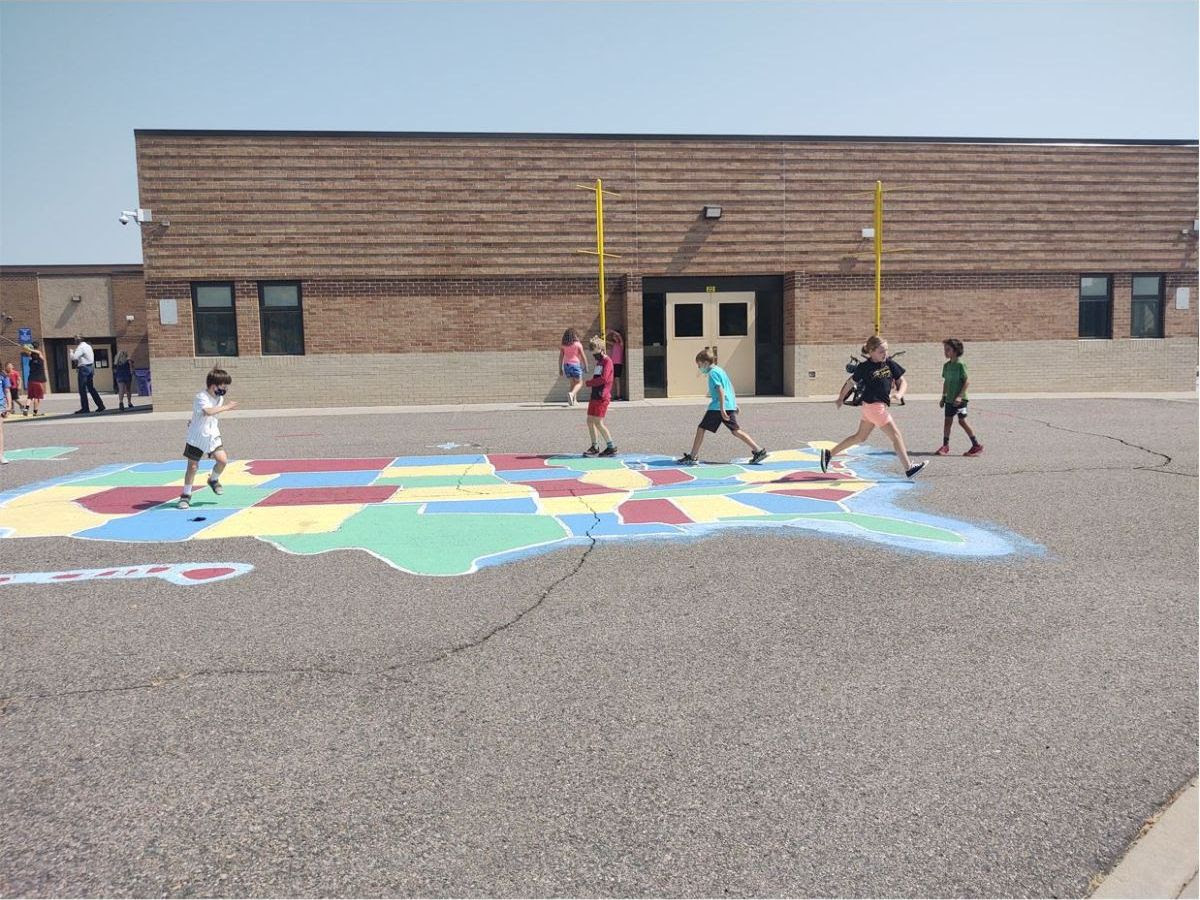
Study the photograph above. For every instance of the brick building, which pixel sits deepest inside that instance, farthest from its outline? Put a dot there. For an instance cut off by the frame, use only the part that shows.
(105, 303)
(417, 267)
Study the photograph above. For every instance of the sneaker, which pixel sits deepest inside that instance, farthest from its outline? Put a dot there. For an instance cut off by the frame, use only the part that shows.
(185, 502)
(25, 411)
(571, 401)
(216, 487)
(101, 409)
(686, 460)
(915, 470)
(3, 461)
(591, 451)
(121, 408)
(81, 412)
(826, 457)
(759, 456)
(943, 450)
(609, 451)
(975, 450)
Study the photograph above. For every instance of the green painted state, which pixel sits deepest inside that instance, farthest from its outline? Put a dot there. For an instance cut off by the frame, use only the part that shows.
(885, 525)
(428, 545)
(39, 452)
(427, 481)
(135, 479)
(683, 490)
(586, 463)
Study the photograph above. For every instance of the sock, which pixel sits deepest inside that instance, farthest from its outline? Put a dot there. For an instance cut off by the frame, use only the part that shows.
(187, 491)
(974, 441)
(609, 445)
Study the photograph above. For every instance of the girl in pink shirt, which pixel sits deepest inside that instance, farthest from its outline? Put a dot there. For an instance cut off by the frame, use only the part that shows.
(616, 352)
(571, 363)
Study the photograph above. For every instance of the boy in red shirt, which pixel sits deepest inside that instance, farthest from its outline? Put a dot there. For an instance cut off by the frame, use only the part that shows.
(601, 384)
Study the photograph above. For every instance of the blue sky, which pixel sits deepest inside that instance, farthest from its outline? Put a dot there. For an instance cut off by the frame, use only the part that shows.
(76, 79)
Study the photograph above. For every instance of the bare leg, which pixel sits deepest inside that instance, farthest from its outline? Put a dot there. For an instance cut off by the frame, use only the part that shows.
(898, 443)
(864, 431)
(966, 428)
(603, 429)
(219, 461)
(747, 440)
(696, 443)
(189, 476)
(946, 431)
(591, 420)
(576, 384)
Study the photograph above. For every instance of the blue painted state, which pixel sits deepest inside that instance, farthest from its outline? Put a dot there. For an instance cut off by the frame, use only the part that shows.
(402, 462)
(321, 479)
(524, 475)
(511, 505)
(785, 504)
(610, 526)
(159, 524)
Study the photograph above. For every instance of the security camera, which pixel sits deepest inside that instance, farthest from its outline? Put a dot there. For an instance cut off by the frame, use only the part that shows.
(141, 216)
(127, 217)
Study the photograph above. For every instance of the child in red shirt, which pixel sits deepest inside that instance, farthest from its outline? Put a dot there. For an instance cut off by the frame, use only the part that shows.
(601, 384)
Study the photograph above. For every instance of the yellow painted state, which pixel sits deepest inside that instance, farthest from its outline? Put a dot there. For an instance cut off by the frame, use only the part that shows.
(467, 492)
(760, 476)
(795, 455)
(453, 471)
(714, 508)
(581, 506)
(259, 520)
(625, 479)
(51, 512)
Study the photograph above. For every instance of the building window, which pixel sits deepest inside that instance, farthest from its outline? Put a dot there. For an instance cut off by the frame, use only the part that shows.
(281, 314)
(1095, 306)
(689, 320)
(1146, 315)
(215, 319)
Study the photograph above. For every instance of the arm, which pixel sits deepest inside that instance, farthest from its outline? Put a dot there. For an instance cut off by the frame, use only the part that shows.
(844, 392)
(901, 387)
(721, 402)
(962, 390)
(217, 410)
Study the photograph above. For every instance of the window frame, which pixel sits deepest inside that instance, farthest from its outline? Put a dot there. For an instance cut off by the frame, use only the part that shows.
(262, 333)
(1107, 336)
(196, 317)
(1162, 304)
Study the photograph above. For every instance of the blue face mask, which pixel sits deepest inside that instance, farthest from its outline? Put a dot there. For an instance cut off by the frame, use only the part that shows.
(220, 392)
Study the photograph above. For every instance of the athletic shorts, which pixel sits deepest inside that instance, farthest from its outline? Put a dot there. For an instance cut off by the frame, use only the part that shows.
(618, 370)
(877, 414)
(712, 420)
(36, 390)
(597, 408)
(572, 371)
(960, 410)
(195, 454)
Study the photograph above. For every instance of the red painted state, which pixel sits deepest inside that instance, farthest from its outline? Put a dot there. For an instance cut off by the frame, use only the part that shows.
(811, 476)
(666, 476)
(371, 493)
(816, 493)
(124, 501)
(658, 511)
(568, 487)
(508, 462)
(280, 466)
(203, 574)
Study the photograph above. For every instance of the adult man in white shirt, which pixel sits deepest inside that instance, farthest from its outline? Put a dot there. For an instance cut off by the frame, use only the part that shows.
(85, 361)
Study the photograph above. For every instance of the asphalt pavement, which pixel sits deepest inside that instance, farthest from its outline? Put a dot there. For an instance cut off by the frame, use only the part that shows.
(752, 713)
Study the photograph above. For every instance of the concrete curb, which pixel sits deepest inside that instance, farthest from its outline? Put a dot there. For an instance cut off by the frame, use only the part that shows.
(1162, 862)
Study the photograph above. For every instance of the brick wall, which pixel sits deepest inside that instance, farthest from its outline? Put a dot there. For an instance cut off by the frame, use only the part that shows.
(129, 299)
(19, 299)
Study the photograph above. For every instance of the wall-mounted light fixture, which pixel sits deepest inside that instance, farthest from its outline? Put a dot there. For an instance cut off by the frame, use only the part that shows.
(76, 298)
(712, 212)
(129, 317)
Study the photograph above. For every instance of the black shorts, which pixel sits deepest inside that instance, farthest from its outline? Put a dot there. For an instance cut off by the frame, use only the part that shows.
(960, 410)
(618, 370)
(195, 454)
(712, 420)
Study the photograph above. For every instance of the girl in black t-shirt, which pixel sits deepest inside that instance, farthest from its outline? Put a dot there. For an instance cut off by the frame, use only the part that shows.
(879, 377)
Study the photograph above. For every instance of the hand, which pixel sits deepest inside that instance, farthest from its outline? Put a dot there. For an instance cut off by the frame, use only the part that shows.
(231, 405)
(838, 402)
(941, 402)
(958, 401)
(725, 415)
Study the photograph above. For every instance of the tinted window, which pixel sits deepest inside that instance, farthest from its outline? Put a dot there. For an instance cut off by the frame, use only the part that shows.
(689, 320)
(215, 320)
(281, 317)
(733, 319)
(1095, 306)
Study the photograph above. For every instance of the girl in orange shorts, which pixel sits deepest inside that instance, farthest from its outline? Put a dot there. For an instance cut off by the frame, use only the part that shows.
(879, 377)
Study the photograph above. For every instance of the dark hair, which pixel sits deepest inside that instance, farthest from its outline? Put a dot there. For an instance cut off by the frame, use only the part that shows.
(707, 356)
(569, 336)
(217, 378)
(873, 343)
(954, 344)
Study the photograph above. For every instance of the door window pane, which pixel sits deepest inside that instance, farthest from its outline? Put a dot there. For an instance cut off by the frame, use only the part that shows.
(689, 320)
(281, 316)
(215, 320)
(1146, 313)
(1095, 306)
(733, 319)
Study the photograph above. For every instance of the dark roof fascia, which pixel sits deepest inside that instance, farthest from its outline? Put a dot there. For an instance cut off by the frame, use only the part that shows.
(555, 136)
(114, 269)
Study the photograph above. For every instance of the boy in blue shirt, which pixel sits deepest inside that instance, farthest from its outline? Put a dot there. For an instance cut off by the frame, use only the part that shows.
(722, 410)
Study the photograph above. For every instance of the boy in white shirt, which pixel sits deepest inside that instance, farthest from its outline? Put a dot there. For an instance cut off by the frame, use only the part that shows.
(204, 435)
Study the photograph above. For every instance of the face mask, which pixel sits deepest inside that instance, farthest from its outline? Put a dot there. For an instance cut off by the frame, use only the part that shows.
(220, 392)
(598, 356)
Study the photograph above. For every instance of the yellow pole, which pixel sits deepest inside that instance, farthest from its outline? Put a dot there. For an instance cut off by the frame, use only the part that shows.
(878, 255)
(600, 250)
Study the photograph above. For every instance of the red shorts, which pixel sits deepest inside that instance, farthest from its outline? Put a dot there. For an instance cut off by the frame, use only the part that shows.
(36, 390)
(597, 408)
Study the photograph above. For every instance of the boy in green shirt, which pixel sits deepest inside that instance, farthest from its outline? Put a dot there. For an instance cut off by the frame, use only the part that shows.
(954, 397)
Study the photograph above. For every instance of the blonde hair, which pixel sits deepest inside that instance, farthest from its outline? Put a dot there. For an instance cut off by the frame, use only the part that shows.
(874, 342)
(597, 343)
(121, 358)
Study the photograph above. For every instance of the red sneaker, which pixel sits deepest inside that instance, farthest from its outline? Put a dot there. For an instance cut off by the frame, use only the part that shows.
(943, 450)
(976, 450)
